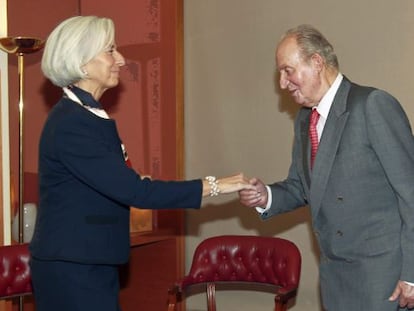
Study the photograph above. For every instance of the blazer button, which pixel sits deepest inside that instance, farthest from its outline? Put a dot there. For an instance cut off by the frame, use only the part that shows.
(339, 233)
(340, 199)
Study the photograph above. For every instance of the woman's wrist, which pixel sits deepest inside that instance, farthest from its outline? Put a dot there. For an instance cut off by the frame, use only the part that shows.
(211, 186)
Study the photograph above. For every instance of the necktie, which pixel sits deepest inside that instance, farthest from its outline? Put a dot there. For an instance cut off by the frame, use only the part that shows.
(313, 134)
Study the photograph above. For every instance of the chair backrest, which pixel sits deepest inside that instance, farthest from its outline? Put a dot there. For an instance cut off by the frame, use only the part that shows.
(15, 277)
(268, 260)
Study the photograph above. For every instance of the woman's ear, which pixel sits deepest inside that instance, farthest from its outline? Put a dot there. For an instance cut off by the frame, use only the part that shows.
(85, 72)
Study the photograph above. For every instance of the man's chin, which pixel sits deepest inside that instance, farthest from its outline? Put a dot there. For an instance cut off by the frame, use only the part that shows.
(299, 100)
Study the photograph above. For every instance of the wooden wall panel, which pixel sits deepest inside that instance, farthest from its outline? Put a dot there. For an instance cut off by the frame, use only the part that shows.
(32, 18)
(146, 279)
(146, 99)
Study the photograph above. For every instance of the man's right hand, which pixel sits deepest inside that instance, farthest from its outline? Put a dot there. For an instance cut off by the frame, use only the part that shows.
(256, 197)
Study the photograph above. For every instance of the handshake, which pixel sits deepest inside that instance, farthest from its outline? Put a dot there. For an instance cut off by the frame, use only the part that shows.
(252, 192)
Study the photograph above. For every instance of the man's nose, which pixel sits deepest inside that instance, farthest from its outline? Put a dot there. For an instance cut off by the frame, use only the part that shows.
(283, 82)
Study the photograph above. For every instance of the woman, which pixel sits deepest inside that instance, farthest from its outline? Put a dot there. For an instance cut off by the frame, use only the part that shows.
(86, 187)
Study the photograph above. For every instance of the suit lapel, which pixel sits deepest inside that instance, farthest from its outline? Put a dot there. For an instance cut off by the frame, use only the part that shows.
(328, 145)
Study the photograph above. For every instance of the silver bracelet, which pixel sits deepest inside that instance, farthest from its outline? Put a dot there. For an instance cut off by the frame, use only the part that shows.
(214, 187)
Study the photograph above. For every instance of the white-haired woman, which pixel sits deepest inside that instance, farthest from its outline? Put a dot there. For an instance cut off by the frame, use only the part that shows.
(86, 188)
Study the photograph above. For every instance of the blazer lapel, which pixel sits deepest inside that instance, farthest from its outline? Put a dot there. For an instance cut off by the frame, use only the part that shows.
(328, 146)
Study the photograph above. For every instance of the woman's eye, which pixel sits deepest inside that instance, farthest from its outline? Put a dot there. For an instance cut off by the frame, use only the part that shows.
(111, 49)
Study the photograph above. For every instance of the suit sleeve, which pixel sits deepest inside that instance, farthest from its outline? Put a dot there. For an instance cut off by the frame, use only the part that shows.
(390, 134)
(288, 194)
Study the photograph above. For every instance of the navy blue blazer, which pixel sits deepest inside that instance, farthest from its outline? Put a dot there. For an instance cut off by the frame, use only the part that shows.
(86, 189)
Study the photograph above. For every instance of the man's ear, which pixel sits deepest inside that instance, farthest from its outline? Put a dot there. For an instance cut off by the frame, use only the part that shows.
(317, 61)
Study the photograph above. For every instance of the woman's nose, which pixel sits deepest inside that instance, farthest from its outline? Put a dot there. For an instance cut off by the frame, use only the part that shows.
(119, 59)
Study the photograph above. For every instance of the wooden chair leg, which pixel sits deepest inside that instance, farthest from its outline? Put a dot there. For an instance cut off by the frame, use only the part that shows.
(211, 297)
(173, 294)
(172, 305)
(280, 306)
(282, 299)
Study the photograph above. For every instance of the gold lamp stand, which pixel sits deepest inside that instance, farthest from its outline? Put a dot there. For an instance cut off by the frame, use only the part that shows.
(21, 46)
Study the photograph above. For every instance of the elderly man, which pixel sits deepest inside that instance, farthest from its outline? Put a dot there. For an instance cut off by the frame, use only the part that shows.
(353, 164)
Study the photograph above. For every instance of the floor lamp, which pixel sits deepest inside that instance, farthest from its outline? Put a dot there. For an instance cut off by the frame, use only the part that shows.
(21, 46)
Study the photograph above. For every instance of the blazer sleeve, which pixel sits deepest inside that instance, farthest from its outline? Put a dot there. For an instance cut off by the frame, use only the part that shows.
(391, 137)
(91, 152)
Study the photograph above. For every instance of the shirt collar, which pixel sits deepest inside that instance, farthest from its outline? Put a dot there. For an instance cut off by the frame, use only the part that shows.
(326, 102)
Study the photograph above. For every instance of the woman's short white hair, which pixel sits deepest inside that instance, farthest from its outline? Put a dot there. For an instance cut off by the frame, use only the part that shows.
(72, 44)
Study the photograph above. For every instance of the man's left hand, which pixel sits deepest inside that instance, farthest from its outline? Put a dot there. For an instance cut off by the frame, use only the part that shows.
(405, 293)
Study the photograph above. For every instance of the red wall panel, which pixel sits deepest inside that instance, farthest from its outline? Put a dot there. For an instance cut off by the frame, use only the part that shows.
(145, 103)
(33, 19)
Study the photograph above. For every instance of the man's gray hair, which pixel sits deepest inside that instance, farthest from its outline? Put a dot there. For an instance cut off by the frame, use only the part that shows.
(311, 41)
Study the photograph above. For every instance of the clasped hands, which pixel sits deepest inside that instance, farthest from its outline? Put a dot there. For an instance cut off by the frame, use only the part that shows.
(254, 196)
(252, 191)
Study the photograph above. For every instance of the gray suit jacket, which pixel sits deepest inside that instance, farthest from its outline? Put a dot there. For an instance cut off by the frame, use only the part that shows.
(361, 196)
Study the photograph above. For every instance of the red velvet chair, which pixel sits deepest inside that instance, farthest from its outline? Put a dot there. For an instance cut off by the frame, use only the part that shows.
(15, 279)
(241, 263)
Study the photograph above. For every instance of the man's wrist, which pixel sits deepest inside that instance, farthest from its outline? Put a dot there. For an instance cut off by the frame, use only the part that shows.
(261, 209)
